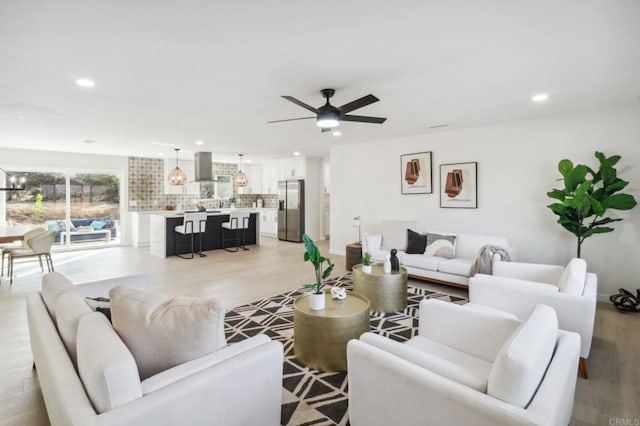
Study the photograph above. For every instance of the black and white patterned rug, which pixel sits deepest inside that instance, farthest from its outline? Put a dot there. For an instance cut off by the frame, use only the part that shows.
(311, 397)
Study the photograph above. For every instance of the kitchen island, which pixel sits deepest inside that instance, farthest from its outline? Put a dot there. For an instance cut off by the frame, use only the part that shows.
(163, 235)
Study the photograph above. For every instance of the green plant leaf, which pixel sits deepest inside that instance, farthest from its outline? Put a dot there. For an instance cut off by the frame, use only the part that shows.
(600, 156)
(597, 230)
(575, 177)
(564, 167)
(558, 194)
(327, 272)
(569, 226)
(619, 202)
(557, 208)
(599, 194)
(597, 206)
(616, 186)
(609, 175)
(604, 221)
(611, 161)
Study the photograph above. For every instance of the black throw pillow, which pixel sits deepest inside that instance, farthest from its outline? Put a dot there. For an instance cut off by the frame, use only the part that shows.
(416, 242)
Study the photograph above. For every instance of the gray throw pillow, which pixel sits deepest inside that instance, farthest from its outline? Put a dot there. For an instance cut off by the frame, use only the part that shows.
(440, 245)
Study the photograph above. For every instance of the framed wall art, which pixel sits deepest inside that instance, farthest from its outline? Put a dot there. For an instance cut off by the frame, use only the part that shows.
(459, 185)
(416, 173)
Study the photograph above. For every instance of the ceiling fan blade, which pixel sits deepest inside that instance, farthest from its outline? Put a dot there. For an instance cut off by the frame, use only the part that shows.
(300, 103)
(325, 129)
(358, 103)
(363, 119)
(290, 119)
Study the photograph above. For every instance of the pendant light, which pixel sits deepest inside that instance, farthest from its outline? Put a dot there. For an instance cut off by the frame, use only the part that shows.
(15, 183)
(177, 176)
(240, 179)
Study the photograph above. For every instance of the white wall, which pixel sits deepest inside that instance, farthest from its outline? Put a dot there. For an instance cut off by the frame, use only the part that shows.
(43, 161)
(516, 167)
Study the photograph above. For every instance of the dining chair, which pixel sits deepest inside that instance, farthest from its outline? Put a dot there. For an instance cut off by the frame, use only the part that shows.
(5, 249)
(40, 245)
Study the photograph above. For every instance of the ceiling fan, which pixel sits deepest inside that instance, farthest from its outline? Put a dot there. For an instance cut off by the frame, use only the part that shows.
(329, 116)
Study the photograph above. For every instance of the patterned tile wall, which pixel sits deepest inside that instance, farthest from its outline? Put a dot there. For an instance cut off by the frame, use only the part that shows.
(146, 188)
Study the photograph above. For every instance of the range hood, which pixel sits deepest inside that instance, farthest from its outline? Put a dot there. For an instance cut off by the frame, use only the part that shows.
(204, 172)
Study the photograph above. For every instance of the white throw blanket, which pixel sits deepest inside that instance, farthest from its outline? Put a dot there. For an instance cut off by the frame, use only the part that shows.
(484, 261)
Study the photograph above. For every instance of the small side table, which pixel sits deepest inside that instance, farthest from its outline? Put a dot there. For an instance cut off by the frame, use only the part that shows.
(386, 292)
(320, 337)
(354, 255)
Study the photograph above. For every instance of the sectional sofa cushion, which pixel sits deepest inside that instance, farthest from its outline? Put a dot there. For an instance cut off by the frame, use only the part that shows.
(53, 285)
(163, 331)
(573, 277)
(106, 367)
(70, 307)
(524, 357)
(417, 242)
(457, 266)
(440, 245)
(421, 261)
(468, 245)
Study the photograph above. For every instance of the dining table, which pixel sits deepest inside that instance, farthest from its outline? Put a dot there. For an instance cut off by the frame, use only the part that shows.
(9, 234)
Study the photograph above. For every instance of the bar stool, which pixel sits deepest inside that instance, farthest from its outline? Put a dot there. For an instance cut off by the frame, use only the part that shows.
(194, 223)
(238, 221)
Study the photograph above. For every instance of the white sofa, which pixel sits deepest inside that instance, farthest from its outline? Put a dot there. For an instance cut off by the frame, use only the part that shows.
(465, 367)
(455, 271)
(518, 287)
(240, 384)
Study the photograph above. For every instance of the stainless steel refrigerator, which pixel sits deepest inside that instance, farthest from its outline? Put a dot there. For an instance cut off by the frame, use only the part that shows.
(291, 210)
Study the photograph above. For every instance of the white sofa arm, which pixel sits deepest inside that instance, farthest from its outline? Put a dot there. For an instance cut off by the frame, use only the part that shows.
(101, 288)
(549, 274)
(476, 333)
(387, 390)
(241, 390)
(186, 369)
(575, 312)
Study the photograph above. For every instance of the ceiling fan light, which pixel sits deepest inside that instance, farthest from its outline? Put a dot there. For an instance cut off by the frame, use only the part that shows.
(327, 123)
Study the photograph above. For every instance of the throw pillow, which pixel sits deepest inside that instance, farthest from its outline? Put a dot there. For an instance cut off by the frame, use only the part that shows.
(416, 242)
(394, 234)
(107, 220)
(573, 277)
(69, 309)
(163, 331)
(440, 245)
(96, 224)
(53, 285)
(53, 225)
(523, 359)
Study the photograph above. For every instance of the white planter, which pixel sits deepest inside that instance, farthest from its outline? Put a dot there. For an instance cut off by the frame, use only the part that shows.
(366, 269)
(316, 301)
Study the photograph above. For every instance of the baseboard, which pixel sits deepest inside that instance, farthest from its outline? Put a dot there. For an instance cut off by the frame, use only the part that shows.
(339, 252)
(603, 298)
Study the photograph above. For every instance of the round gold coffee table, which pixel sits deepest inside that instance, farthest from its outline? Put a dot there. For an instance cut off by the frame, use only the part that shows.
(320, 337)
(386, 292)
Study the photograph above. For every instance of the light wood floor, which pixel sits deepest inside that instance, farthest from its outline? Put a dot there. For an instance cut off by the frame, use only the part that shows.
(612, 391)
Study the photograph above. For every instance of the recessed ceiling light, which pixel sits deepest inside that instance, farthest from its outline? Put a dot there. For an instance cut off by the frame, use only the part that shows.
(247, 160)
(199, 142)
(160, 154)
(89, 141)
(21, 117)
(296, 153)
(540, 97)
(437, 126)
(337, 133)
(85, 82)
(162, 144)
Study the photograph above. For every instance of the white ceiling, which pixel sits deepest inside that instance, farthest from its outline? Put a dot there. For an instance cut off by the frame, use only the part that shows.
(175, 72)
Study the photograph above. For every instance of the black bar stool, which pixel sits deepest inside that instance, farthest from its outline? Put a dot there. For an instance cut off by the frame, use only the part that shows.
(238, 221)
(194, 223)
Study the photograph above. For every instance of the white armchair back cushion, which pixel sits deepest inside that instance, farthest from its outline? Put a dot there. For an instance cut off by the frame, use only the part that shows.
(476, 333)
(573, 278)
(162, 331)
(70, 307)
(394, 233)
(106, 367)
(524, 357)
(53, 285)
(468, 245)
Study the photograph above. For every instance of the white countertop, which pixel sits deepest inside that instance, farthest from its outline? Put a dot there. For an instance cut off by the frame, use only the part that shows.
(210, 212)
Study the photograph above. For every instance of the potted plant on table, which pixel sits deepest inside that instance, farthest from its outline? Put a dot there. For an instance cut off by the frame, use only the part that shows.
(312, 254)
(232, 202)
(366, 263)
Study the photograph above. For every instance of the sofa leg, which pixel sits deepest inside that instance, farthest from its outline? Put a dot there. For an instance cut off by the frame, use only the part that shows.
(582, 368)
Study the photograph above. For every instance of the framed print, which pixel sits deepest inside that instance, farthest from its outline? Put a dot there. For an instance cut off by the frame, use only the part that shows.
(459, 185)
(415, 173)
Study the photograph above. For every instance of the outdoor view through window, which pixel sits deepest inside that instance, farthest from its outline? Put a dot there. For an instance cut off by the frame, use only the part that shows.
(91, 216)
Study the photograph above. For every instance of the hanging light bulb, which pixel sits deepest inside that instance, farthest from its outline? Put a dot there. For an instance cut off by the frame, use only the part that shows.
(177, 176)
(240, 179)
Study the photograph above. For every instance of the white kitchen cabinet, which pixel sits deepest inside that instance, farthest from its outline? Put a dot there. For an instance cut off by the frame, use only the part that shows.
(291, 168)
(254, 173)
(270, 177)
(269, 222)
(189, 169)
(140, 229)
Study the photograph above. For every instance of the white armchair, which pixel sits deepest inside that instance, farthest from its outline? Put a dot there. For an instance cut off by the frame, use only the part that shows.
(465, 367)
(518, 287)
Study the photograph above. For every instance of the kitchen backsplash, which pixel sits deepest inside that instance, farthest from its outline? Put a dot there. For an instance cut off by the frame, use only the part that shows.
(146, 188)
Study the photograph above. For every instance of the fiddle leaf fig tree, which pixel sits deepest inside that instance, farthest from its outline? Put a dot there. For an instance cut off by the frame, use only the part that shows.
(587, 195)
